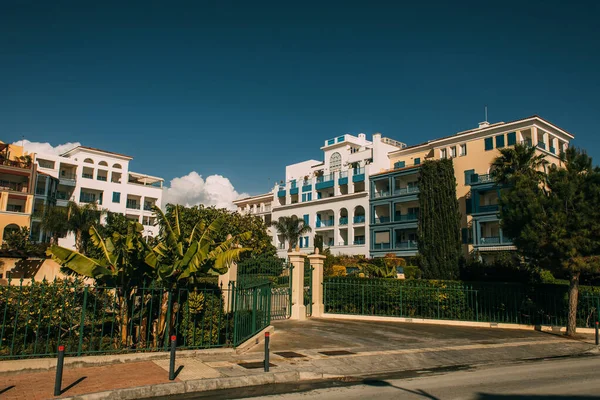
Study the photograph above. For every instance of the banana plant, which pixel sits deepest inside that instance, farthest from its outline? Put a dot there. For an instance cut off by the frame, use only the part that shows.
(121, 265)
(179, 258)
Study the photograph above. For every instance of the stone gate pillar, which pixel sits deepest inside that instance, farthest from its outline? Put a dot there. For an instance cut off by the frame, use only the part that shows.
(316, 261)
(297, 261)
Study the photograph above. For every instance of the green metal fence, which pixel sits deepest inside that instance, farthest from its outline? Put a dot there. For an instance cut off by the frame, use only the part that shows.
(39, 317)
(486, 302)
(276, 271)
(308, 273)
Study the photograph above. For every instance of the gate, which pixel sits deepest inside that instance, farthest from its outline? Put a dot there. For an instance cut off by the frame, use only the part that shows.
(279, 274)
(308, 273)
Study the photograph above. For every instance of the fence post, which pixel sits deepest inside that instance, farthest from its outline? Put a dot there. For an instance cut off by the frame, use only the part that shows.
(317, 289)
(438, 303)
(476, 305)
(234, 310)
(254, 306)
(82, 321)
(172, 358)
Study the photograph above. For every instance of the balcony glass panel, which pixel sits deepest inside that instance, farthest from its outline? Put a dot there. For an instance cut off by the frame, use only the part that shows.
(344, 221)
(359, 219)
(405, 217)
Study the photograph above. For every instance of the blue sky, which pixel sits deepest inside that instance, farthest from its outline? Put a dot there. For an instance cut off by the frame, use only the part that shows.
(241, 89)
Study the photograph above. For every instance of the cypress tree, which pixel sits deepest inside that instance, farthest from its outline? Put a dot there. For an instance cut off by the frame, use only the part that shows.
(439, 221)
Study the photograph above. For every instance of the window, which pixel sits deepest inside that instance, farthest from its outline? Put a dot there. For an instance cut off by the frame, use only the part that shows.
(399, 164)
(305, 219)
(306, 197)
(468, 174)
(463, 149)
(453, 151)
(305, 241)
(499, 141)
(117, 166)
(489, 144)
(443, 153)
(417, 161)
(116, 197)
(335, 162)
(512, 138)
(88, 161)
(45, 163)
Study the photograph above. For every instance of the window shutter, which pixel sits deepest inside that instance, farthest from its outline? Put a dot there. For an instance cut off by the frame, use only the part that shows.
(489, 144)
(512, 138)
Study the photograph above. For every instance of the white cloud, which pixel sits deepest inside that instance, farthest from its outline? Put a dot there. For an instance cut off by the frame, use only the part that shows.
(46, 148)
(192, 189)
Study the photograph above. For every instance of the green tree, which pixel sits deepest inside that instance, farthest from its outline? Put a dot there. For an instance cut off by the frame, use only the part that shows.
(234, 224)
(53, 220)
(438, 232)
(114, 223)
(291, 229)
(121, 264)
(18, 239)
(79, 220)
(554, 219)
(520, 160)
(318, 240)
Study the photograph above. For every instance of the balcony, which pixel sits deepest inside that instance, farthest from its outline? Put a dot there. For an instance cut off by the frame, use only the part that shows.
(527, 142)
(381, 246)
(541, 145)
(324, 182)
(359, 219)
(358, 175)
(478, 179)
(281, 192)
(15, 164)
(87, 176)
(407, 245)
(494, 241)
(382, 220)
(67, 179)
(381, 194)
(552, 150)
(412, 217)
(13, 186)
(87, 198)
(343, 179)
(148, 206)
(132, 205)
(325, 223)
(406, 190)
(358, 242)
(486, 208)
(344, 221)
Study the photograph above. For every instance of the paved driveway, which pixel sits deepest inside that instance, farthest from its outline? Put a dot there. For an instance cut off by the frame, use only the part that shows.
(367, 336)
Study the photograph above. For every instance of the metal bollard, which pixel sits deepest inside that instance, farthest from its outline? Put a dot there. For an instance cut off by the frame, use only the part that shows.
(172, 361)
(267, 338)
(597, 338)
(59, 371)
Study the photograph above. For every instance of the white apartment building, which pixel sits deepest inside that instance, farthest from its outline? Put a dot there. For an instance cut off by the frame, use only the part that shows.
(88, 175)
(259, 205)
(332, 196)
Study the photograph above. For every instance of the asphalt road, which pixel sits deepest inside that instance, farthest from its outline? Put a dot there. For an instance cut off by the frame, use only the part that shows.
(573, 378)
(562, 378)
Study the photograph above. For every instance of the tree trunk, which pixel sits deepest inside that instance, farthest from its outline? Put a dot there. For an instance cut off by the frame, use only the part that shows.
(124, 320)
(162, 319)
(79, 241)
(573, 297)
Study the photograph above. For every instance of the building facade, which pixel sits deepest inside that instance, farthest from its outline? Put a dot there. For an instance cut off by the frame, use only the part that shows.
(17, 186)
(394, 203)
(332, 196)
(88, 175)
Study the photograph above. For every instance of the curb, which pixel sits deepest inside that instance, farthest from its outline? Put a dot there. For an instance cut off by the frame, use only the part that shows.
(203, 385)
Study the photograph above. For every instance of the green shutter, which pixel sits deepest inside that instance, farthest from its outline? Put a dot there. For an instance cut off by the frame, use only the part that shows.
(417, 161)
(468, 174)
(399, 164)
(499, 141)
(512, 138)
(489, 144)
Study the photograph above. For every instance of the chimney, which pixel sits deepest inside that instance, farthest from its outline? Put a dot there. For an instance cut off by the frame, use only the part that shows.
(484, 124)
(376, 137)
(362, 136)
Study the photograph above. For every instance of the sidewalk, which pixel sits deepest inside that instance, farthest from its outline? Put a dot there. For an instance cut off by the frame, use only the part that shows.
(314, 349)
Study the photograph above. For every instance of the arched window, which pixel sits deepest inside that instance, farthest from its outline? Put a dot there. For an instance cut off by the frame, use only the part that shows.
(103, 163)
(117, 166)
(88, 160)
(335, 162)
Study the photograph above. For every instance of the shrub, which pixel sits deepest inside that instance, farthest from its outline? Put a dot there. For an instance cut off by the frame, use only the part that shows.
(412, 272)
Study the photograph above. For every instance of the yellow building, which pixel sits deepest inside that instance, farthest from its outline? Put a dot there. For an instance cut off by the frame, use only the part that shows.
(17, 185)
(394, 193)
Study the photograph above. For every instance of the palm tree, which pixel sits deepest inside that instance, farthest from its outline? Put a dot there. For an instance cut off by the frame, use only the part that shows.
(291, 229)
(79, 220)
(520, 160)
(54, 220)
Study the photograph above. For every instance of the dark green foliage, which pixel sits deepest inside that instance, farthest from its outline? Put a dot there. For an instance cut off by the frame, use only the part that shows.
(235, 224)
(115, 223)
(439, 221)
(202, 324)
(319, 243)
(506, 267)
(412, 272)
(17, 239)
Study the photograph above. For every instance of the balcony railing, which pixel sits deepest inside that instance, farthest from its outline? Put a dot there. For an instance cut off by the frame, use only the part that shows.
(101, 178)
(526, 142)
(494, 240)
(344, 221)
(381, 246)
(132, 205)
(359, 241)
(14, 186)
(483, 178)
(381, 193)
(63, 196)
(148, 206)
(321, 224)
(406, 245)
(86, 198)
(87, 176)
(281, 246)
(382, 220)
(552, 150)
(541, 145)
(14, 163)
(359, 219)
(406, 217)
(487, 208)
(406, 190)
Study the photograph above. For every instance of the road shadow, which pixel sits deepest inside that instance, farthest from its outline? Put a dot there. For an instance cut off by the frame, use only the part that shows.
(487, 396)
(380, 383)
(72, 385)
(6, 389)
